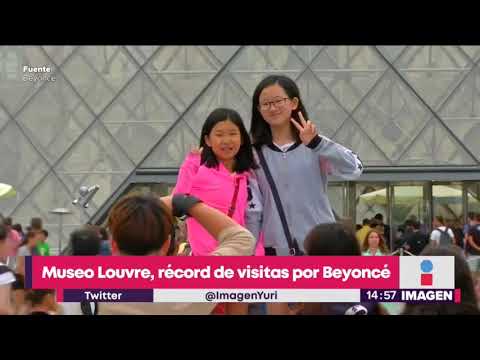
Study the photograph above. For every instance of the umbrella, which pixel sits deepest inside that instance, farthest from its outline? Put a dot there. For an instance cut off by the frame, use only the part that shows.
(6, 191)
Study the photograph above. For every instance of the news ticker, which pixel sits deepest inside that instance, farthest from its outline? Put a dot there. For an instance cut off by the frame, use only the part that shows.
(249, 278)
(264, 295)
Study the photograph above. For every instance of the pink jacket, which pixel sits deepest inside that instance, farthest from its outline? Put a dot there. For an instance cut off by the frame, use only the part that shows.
(216, 188)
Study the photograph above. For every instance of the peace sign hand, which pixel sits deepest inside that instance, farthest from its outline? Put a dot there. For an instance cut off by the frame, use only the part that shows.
(307, 129)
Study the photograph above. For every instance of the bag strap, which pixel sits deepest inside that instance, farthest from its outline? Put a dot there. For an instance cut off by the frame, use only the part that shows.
(233, 204)
(292, 245)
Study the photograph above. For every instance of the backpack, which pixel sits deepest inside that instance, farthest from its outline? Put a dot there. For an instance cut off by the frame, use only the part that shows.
(445, 238)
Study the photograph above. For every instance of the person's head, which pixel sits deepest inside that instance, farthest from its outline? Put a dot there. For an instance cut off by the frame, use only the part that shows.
(276, 100)
(471, 216)
(32, 239)
(3, 240)
(331, 240)
(408, 226)
(366, 222)
(416, 225)
(36, 223)
(44, 298)
(225, 138)
(376, 225)
(141, 225)
(379, 217)
(103, 233)
(43, 235)
(85, 242)
(374, 240)
(476, 219)
(463, 281)
(358, 227)
(18, 228)
(8, 222)
(438, 221)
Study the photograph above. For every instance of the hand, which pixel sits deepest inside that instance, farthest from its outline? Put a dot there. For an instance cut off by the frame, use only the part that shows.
(307, 129)
(196, 151)
(167, 200)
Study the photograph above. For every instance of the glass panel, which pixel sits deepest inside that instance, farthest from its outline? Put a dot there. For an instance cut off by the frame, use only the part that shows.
(223, 92)
(55, 118)
(99, 73)
(392, 115)
(349, 71)
(142, 53)
(186, 70)
(433, 71)
(448, 202)
(391, 52)
(139, 117)
(59, 53)
(223, 52)
(14, 90)
(461, 112)
(370, 199)
(322, 108)
(409, 203)
(353, 137)
(254, 63)
(435, 146)
(172, 150)
(473, 191)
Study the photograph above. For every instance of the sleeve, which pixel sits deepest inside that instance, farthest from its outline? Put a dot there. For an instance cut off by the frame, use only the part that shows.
(434, 236)
(186, 173)
(6, 275)
(254, 213)
(235, 241)
(340, 161)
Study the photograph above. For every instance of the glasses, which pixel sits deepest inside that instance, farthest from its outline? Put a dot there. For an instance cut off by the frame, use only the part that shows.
(277, 103)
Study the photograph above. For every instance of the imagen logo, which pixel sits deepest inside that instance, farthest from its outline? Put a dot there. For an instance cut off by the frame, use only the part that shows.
(426, 277)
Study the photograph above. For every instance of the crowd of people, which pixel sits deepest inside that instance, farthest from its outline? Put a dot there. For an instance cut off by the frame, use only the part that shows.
(232, 189)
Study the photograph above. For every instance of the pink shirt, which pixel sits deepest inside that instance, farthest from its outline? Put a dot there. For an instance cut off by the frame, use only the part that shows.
(215, 187)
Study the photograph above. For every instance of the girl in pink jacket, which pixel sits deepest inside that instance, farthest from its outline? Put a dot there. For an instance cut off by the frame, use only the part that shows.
(219, 175)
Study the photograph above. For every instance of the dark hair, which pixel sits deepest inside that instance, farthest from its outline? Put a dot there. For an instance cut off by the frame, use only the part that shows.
(331, 240)
(259, 128)
(440, 219)
(18, 228)
(37, 296)
(463, 281)
(374, 223)
(378, 217)
(36, 223)
(477, 216)
(103, 233)
(27, 237)
(358, 227)
(382, 245)
(408, 222)
(7, 221)
(140, 224)
(416, 225)
(3, 232)
(85, 242)
(244, 160)
(19, 283)
(366, 222)
(45, 232)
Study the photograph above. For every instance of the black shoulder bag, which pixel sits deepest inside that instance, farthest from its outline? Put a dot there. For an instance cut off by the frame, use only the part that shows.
(293, 247)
